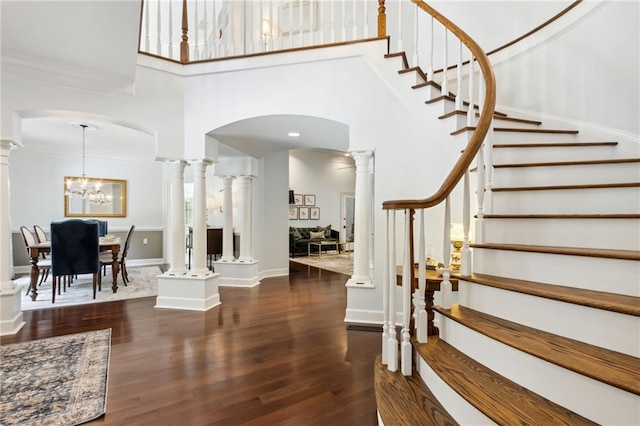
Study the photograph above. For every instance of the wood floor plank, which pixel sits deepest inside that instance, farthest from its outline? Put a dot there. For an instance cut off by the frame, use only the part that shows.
(276, 354)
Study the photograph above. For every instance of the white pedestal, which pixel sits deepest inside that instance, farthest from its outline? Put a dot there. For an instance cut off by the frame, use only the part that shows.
(238, 274)
(193, 293)
(11, 320)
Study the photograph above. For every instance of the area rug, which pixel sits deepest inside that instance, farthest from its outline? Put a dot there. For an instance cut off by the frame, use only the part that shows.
(56, 381)
(142, 283)
(341, 263)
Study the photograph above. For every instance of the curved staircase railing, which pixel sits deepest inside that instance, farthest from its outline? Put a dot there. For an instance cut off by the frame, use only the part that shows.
(423, 313)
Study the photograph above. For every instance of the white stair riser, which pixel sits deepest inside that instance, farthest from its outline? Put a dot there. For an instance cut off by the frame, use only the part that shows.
(597, 401)
(529, 137)
(565, 175)
(621, 234)
(536, 155)
(463, 412)
(592, 273)
(567, 201)
(611, 330)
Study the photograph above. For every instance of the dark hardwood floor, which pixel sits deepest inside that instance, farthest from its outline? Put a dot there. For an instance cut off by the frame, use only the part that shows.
(276, 354)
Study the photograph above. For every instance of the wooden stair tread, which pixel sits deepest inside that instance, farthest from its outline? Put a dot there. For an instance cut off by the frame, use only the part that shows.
(452, 98)
(412, 69)
(620, 303)
(402, 55)
(607, 366)
(570, 251)
(552, 144)
(552, 131)
(495, 116)
(569, 163)
(500, 399)
(560, 187)
(563, 216)
(405, 400)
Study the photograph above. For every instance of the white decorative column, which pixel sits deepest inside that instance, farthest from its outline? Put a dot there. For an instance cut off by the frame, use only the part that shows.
(227, 229)
(11, 320)
(199, 218)
(360, 277)
(177, 242)
(244, 192)
(195, 290)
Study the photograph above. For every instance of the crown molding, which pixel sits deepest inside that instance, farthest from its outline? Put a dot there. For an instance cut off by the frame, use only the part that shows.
(57, 73)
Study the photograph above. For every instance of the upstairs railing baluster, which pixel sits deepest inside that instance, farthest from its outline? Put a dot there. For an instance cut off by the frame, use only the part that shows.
(159, 29)
(386, 288)
(421, 315)
(393, 340)
(459, 105)
(406, 350)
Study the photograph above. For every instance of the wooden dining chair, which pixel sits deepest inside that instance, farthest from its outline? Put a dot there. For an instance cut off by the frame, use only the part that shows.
(106, 258)
(75, 250)
(44, 265)
(41, 236)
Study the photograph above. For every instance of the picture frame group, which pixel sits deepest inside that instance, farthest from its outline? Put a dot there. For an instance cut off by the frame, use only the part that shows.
(304, 208)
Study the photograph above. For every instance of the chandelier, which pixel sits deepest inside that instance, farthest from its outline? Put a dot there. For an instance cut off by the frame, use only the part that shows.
(81, 187)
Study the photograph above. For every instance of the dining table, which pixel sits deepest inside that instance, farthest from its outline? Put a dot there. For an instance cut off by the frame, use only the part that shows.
(36, 250)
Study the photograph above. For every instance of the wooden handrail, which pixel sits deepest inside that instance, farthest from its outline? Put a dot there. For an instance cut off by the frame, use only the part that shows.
(482, 127)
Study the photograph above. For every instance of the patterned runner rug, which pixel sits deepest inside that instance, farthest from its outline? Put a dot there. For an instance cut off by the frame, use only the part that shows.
(142, 283)
(56, 381)
(337, 263)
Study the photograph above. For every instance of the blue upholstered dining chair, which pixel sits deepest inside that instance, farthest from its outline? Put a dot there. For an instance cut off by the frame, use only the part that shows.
(75, 250)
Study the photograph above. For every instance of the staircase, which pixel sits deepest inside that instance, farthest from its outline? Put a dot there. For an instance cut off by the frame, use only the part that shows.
(547, 327)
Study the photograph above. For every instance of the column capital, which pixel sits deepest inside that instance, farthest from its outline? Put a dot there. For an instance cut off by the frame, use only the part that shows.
(201, 161)
(361, 158)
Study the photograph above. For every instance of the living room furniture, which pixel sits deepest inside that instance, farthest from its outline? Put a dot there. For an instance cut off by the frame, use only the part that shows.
(324, 247)
(300, 237)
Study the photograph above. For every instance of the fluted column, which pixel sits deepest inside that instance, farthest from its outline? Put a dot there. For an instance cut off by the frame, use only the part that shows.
(5, 221)
(362, 216)
(200, 217)
(227, 210)
(244, 193)
(176, 260)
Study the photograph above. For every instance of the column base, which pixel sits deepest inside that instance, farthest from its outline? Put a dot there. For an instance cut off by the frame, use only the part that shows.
(238, 274)
(192, 293)
(360, 282)
(11, 319)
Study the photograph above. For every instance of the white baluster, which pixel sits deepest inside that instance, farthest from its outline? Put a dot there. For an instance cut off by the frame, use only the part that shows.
(471, 113)
(204, 53)
(300, 17)
(355, 21)
(146, 25)
(445, 286)
(311, 38)
(430, 75)
(271, 32)
(215, 32)
(344, 21)
(321, 26)
(159, 31)
(170, 30)
(445, 73)
(386, 288)
(459, 105)
(465, 268)
(421, 316)
(416, 32)
(392, 355)
(481, 176)
(291, 24)
(407, 265)
(400, 26)
(365, 6)
(195, 30)
(333, 21)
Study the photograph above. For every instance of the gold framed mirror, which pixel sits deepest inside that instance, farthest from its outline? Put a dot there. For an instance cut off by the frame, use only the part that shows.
(108, 200)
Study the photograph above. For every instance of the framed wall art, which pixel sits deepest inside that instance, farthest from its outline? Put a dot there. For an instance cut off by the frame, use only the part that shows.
(314, 213)
(293, 212)
(298, 199)
(303, 213)
(309, 200)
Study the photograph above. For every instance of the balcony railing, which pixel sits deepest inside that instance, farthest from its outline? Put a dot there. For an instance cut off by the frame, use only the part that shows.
(196, 30)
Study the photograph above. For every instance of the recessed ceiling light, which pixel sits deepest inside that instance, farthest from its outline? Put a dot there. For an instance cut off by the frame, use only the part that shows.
(293, 134)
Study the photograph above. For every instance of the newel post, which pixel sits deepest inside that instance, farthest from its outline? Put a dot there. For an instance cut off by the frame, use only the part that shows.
(382, 19)
(184, 44)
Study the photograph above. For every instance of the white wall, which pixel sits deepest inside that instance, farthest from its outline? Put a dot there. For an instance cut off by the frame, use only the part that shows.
(37, 189)
(315, 173)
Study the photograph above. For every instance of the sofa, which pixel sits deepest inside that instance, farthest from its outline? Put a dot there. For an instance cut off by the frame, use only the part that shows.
(300, 237)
